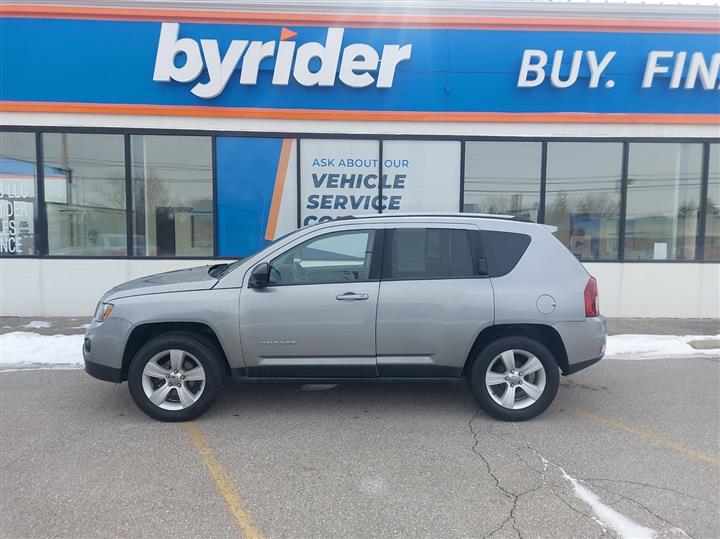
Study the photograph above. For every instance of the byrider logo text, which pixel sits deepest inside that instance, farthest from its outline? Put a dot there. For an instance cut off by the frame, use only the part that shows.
(360, 65)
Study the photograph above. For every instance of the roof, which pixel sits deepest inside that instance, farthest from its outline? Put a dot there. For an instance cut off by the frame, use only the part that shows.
(458, 215)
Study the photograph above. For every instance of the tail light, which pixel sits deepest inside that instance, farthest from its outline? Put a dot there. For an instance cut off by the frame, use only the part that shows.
(591, 298)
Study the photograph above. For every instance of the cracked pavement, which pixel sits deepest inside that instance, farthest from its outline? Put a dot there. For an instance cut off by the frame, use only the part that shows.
(367, 460)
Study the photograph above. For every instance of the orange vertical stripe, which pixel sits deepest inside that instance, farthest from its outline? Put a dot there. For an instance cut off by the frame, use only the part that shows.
(278, 189)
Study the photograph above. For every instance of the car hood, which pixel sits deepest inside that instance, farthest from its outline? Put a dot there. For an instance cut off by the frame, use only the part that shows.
(183, 280)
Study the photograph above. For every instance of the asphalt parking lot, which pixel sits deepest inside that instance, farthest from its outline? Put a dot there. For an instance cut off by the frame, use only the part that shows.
(79, 459)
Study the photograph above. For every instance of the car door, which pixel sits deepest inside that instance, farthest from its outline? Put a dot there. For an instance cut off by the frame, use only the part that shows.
(434, 300)
(316, 317)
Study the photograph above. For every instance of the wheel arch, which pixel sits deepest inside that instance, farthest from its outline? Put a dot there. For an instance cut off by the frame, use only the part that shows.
(547, 335)
(142, 333)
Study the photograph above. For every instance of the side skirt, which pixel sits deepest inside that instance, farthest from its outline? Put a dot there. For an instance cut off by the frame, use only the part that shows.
(239, 376)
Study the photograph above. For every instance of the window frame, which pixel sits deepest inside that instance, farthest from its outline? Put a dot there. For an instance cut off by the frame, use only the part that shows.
(702, 194)
(476, 251)
(38, 130)
(376, 255)
(592, 188)
(38, 213)
(127, 209)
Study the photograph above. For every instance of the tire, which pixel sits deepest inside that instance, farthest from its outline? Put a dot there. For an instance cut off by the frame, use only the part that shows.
(182, 396)
(490, 378)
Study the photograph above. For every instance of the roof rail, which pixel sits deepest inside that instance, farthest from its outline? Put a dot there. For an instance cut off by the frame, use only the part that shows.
(506, 217)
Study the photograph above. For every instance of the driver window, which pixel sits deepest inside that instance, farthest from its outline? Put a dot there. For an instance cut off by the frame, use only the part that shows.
(333, 258)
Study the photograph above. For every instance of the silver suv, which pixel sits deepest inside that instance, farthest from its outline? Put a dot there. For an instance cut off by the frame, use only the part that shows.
(495, 299)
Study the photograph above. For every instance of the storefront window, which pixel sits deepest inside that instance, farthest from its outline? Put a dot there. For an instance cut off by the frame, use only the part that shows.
(421, 175)
(84, 180)
(172, 195)
(256, 192)
(18, 202)
(583, 196)
(712, 208)
(503, 177)
(339, 178)
(663, 201)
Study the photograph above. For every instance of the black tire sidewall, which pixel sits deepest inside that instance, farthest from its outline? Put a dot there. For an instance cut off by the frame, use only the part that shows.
(202, 349)
(479, 368)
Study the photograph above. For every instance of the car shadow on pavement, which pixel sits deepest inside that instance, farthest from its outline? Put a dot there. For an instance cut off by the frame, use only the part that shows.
(295, 401)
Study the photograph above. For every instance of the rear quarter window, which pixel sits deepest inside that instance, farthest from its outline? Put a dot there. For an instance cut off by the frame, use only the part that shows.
(502, 250)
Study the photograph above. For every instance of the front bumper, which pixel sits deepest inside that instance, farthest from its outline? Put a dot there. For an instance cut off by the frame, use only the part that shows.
(103, 349)
(103, 372)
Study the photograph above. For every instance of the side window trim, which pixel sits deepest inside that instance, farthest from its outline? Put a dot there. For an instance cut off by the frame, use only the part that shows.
(378, 255)
(374, 271)
(476, 252)
(493, 263)
(480, 261)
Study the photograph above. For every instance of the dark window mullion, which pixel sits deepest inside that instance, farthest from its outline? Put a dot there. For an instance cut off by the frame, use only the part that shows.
(129, 221)
(380, 173)
(623, 200)
(702, 213)
(41, 223)
(298, 182)
(462, 176)
(543, 181)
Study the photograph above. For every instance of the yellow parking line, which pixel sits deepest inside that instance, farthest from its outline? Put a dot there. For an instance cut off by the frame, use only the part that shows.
(644, 434)
(223, 483)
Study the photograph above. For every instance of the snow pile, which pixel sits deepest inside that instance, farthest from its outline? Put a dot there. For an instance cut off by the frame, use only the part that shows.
(38, 324)
(24, 349)
(657, 347)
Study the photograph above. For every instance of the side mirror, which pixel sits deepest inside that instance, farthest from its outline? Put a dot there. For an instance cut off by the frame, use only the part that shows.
(260, 276)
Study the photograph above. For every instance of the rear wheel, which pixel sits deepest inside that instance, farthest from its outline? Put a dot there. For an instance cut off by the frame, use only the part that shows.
(515, 378)
(176, 376)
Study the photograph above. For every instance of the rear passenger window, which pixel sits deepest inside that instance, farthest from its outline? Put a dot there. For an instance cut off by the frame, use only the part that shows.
(429, 253)
(502, 250)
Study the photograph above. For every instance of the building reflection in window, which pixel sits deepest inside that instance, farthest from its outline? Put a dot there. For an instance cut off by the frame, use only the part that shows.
(663, 201)
(503, 177)
(583, 197)
(84, 179)
(172, 195)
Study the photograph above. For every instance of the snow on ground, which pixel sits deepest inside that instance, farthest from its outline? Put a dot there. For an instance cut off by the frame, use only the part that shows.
(657, 346)
(606, 515)
(25, 349)
(38, 324)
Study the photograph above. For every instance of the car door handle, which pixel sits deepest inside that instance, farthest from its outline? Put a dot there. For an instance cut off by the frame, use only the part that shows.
(352, 296)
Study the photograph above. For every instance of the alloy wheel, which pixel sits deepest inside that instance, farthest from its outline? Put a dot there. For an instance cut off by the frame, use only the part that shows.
(173, 379)
(515, 379)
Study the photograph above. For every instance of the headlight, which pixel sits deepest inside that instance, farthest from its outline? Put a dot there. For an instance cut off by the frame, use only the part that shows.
(103, 311)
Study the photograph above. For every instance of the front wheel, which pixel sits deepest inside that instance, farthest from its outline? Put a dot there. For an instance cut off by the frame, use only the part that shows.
(515, 378)
(175, 376)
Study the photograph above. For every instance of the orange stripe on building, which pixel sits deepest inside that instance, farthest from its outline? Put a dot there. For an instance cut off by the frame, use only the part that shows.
(362, 115)
(280, 176)
(358, 19)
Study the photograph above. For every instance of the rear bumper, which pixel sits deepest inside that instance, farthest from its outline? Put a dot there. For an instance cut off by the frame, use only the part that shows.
(575, 367)
(584, 342)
